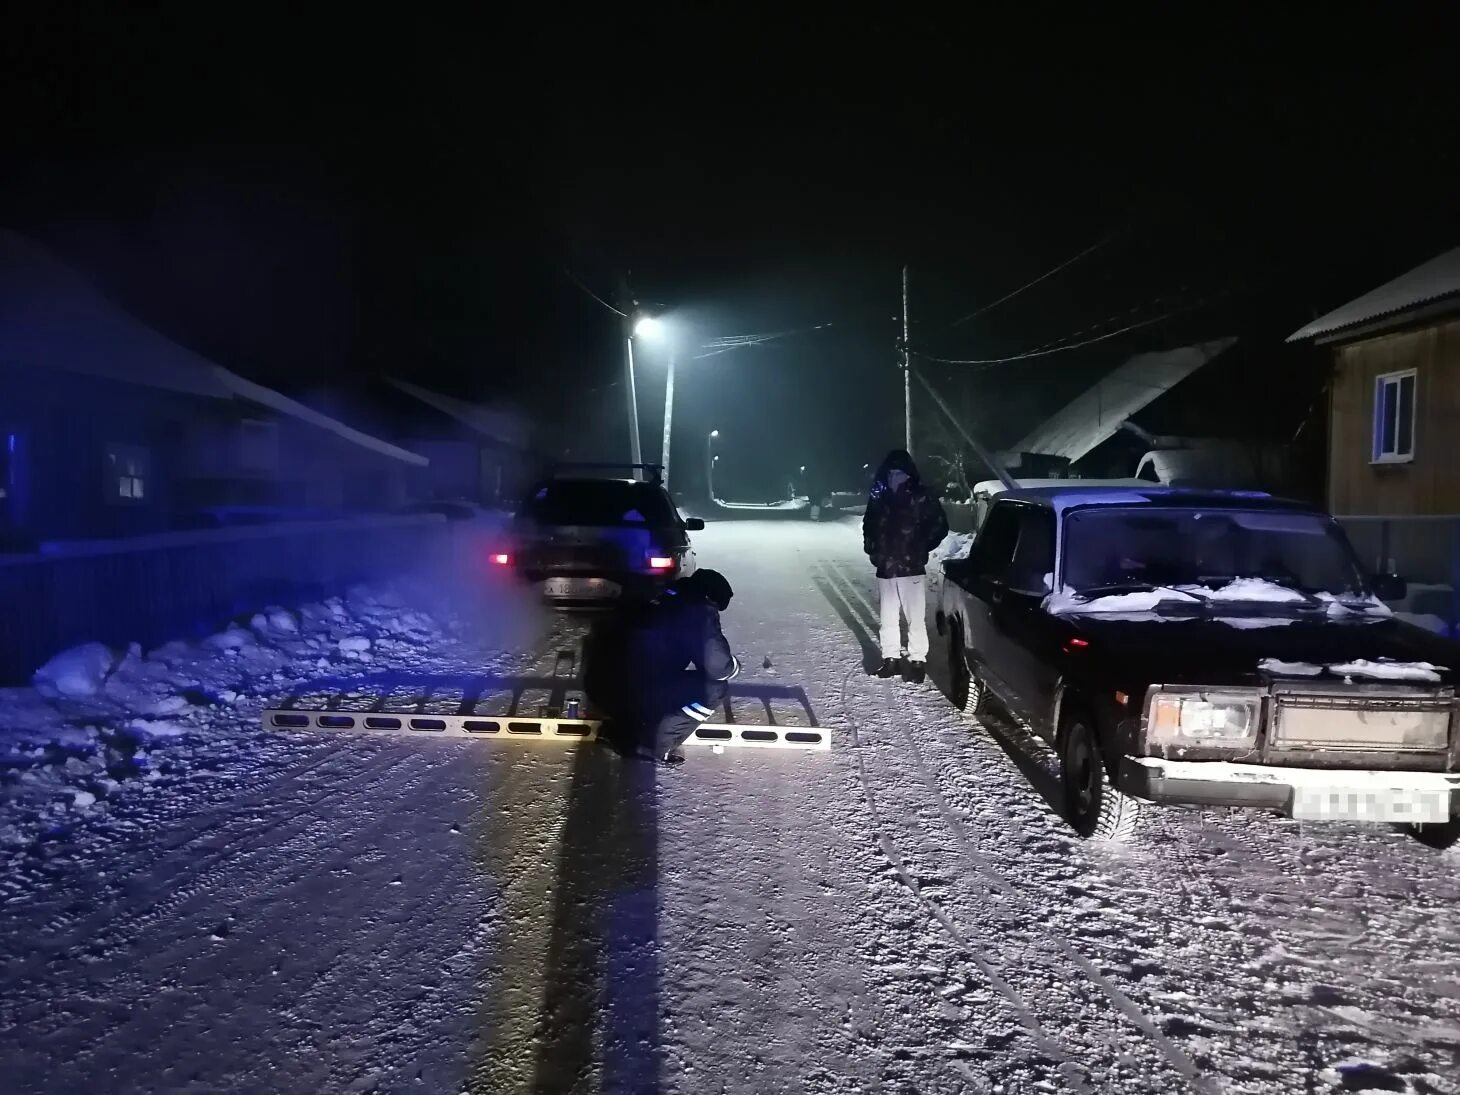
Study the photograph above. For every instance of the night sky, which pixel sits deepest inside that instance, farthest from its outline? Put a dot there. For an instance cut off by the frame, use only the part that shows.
(315, 203)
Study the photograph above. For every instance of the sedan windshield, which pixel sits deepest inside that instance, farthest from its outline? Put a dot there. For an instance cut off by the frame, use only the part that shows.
(1109, 549)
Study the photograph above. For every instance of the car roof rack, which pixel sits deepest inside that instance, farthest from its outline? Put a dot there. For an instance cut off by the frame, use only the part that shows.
(655, 471)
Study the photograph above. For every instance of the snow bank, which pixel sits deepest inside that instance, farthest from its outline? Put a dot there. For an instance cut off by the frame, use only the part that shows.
(97, 726)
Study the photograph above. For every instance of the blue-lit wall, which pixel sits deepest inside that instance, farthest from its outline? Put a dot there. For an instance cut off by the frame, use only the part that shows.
(192, 584)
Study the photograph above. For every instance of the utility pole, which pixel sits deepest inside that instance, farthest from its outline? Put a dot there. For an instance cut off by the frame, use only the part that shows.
(906, 370)
(626, 304)
(668, 414)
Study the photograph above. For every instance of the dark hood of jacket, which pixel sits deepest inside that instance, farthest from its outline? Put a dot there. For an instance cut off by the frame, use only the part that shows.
(898, 460)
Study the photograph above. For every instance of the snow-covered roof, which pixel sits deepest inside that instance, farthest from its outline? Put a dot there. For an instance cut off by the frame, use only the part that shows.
(1429, 283)
(1068, 495)
(277, 401)
(52, 318)
(495, 425)
(1096, 414)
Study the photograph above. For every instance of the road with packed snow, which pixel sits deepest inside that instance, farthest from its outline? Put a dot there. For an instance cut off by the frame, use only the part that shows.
(190, 903)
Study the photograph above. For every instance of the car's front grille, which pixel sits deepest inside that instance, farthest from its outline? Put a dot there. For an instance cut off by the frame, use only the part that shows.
(1361, 723)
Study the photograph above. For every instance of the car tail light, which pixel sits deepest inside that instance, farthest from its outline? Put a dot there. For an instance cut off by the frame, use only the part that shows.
(502, 559)
(660, 562)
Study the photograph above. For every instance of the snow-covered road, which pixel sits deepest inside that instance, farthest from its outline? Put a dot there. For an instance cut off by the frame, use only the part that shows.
(907, 913)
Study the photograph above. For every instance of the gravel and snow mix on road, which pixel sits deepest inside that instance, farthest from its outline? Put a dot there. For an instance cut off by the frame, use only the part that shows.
(193, 904)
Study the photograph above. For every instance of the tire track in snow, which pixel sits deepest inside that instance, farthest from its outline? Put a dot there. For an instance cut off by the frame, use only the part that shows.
(163, 889)
(210, 960)
(1042, 1040)
(995, 882)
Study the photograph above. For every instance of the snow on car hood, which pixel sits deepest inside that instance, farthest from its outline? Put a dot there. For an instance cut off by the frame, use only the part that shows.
(1384, 669)
(1245, 591)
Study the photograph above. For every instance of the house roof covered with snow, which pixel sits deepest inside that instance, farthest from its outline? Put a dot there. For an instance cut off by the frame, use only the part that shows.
(1095, 415)
(495, 425)
(52, 318)
(1434, 284)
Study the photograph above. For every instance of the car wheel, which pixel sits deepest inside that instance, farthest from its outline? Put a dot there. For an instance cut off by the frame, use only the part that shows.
(1441, 836)
(1094, 807)
(965, 689)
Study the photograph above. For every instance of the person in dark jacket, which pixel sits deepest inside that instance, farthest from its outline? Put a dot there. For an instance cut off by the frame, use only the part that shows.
(903, 524)
(680, 629)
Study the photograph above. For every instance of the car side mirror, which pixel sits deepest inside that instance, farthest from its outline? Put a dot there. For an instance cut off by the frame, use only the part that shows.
(1389, 587)
(694, 524)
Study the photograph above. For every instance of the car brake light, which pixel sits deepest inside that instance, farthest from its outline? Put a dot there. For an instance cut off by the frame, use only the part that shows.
(502, 559)
(660, 562)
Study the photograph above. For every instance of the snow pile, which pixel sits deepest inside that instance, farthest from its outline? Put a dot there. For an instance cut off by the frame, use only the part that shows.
(98, 722)
(1386, 670)
(1383, 669)
(1279, 668)
(76, 673)
(1239, 591)
(954, 546)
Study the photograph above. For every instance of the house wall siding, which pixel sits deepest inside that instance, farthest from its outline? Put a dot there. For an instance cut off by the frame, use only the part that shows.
(63, 426)
(1430, 483)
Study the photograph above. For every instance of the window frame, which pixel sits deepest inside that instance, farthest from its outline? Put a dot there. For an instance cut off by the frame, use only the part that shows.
(1376, 426)
(128, 471)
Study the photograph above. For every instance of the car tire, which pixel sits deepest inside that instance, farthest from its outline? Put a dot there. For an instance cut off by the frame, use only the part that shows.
(1441, 836)
(1093, 806)
(965, 689)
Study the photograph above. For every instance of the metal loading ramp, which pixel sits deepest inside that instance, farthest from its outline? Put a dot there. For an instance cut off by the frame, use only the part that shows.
(531, 709)
(537, 728)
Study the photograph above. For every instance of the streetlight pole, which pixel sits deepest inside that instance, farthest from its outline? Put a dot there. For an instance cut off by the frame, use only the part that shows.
(906, 370)
(636, 454)
(668, 415)
(710, 459)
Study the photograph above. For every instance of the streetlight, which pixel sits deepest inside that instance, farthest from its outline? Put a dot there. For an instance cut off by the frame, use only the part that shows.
(710, 460)
(654, 329)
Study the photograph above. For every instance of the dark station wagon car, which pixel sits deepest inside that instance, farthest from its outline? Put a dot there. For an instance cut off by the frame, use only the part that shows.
(588, 541)
(1208, 649)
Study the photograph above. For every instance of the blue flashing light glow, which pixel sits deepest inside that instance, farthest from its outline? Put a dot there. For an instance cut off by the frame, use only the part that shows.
(10, 442)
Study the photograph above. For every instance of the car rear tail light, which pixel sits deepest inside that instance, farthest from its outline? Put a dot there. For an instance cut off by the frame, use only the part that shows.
(660, 562)
(502, 559)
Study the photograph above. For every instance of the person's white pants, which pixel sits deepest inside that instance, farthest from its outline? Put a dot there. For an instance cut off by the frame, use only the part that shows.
(906, 597)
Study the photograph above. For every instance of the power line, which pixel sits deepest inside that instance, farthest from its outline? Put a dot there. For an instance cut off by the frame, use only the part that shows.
(1047, 274)
(574, 279)
(1044, 351)
(735, 342)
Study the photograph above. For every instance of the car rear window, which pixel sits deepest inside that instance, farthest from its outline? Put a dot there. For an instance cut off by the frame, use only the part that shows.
(599, 502)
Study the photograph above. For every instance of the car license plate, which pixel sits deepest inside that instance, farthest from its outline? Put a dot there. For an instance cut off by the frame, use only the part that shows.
(586, 588)
(1378, 805)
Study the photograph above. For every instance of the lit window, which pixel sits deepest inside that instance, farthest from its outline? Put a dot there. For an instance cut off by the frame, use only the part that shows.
(1394, 417)
(126, 473)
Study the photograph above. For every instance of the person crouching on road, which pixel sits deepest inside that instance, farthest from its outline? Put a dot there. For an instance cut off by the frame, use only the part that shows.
(682, 628)
(903, 524)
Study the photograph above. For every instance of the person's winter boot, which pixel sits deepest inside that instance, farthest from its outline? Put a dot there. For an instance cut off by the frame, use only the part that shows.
(671, 760)
(888, 669)
(917, 672)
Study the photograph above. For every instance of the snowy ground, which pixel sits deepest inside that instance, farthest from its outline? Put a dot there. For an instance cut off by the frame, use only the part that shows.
(190, 904)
